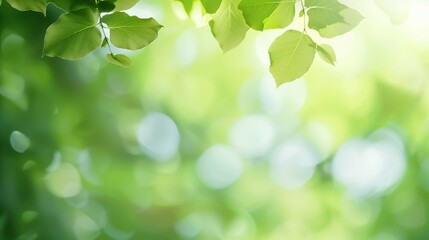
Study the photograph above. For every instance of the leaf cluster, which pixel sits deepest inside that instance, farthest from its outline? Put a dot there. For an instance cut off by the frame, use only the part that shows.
(81, 29)
(292, 53)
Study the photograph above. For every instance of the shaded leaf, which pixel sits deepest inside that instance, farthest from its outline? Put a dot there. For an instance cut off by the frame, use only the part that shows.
(291, 56)
(228, 25)
(131, 32)
(105, 6)
(327, 53)
(119, 59)
(124, 4)
(73, 36)
(26, 5)
(71, 5)
(105, 42)
(211, 6)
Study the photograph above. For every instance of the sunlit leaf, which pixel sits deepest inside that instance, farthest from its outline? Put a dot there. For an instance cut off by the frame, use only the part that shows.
(281, 17)
(119, 59)
(327, 53)
(330, 17)
(291, 56)
(228, 25)
(26, 5)
(73, 36)
(320, 18)
(131, 32)
(256, 12)
(211, 6)
(351, 19)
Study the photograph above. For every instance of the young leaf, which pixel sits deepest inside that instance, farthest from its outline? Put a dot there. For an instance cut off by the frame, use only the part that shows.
(25, 5)
(131, 32)
(282, 16)
(327, 53)
(211, 6)
(73, 36)
(331, 18)
(119, 59)
(228, 25)
(291, 56)
(105, 6)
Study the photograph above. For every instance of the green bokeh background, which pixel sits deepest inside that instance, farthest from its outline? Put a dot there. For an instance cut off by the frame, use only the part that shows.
(85, 175)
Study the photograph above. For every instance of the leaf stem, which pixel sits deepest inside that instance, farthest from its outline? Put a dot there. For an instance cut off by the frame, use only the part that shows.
(105, 36)
(304, 16)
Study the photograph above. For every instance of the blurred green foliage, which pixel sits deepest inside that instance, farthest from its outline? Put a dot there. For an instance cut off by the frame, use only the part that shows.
(191, 143)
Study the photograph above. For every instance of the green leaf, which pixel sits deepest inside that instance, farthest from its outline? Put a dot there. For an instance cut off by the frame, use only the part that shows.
(351, 19)
(331, 18)
(228, 25)
(291, 56)
(124, 4)
(320, 18)
(73, 36)
(105, 6)
(327, 53)
(131, 32)
(301, 13)
(187, 5)
(211, 6)
(119, 59)
(26, 5)
(257, 12)
(281, 17)
(71, 5)
(105, 42)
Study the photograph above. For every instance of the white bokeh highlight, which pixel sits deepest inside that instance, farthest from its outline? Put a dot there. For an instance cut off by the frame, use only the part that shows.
(219, 167)
(370, 167)
(158, 136)
(64, 181)
(19, 142)
(293, 163)
(252, 136)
